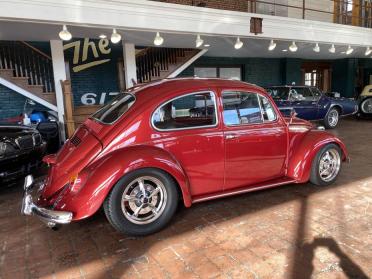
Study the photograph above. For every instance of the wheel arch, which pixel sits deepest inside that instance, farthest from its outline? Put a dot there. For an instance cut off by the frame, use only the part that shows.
(107, 171)
(302, 156)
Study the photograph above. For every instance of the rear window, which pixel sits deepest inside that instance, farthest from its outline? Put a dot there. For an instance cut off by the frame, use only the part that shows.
(115, 108)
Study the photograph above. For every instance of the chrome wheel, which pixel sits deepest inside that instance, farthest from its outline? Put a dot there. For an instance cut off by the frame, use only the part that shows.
(367, 106)
(144, 200)
(329, 165)
(333, 117)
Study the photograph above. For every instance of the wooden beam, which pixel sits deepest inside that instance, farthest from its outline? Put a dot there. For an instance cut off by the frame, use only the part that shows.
(69, 107)
(356, 13)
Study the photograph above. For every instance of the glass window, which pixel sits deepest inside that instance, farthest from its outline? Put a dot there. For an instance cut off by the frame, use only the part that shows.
(115, 108)
(231, 73)
(268, 111)
(278, 93)
(189, 111)
(241, 108)
(207, 72)
(301, 94)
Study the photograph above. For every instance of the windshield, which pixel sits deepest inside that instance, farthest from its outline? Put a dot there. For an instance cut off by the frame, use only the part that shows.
(115, 108)
(278, 93)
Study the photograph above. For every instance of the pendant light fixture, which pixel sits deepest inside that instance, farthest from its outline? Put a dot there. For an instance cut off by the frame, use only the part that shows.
(115, 37)
(238, 44)
(368, 51)
(332, 49)
(199, 41)
(158, 40)
(65, 35)
(293, 47)
(316, 48)
(349, 50)
(272, 45)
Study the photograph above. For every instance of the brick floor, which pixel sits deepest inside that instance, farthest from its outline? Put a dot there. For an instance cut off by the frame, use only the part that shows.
(295, 231)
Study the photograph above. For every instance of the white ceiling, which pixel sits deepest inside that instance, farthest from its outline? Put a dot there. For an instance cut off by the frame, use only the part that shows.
(219, 46)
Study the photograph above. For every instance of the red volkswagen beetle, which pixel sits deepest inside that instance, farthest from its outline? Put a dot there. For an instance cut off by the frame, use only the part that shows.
(188, 140)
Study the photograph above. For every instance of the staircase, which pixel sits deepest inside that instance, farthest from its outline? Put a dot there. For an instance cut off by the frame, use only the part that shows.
(153, 63)
(28, 68)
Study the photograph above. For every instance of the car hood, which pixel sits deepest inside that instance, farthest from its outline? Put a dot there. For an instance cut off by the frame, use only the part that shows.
(10, 131)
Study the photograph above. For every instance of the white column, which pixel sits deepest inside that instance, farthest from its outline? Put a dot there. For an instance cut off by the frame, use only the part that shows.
(129, 54)
(59, 73)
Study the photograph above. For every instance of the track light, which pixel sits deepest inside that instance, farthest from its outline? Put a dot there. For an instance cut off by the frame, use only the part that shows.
(293, 47)
(65, 35)
(238, 43)
(158, 40)
(332, 49)
(368, 51)
(272, 45)
(316, 48)
(349, 50)
(198, 42)
(115, 37)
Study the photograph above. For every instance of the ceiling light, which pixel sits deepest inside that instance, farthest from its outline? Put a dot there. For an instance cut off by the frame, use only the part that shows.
(102, 36)
(158, 40)
(115, 37)
(368, 51)
(272, 45)
(293, 47)
(349, 50)
(65, 34)
(284, 50)
(238, 43)
(207, 45)
(332, 49)
(316, 48)
(198, 42)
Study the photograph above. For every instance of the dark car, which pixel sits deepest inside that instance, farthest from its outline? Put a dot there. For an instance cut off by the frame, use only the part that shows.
(311, 104)
(21, 151)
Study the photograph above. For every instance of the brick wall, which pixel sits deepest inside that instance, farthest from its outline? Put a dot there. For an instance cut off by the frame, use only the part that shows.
(11, 103)
(232, 5)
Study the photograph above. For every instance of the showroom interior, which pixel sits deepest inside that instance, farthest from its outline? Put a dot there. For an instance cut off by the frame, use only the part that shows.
(63, 64)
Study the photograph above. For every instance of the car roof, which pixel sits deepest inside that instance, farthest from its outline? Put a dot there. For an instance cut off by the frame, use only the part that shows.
(283, 86)
(169, 84)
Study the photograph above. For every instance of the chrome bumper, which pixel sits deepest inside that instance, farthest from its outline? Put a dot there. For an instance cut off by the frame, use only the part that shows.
(50, 217)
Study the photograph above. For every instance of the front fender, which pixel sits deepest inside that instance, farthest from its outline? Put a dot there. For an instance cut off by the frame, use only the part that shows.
(105, 172)
(303, 153)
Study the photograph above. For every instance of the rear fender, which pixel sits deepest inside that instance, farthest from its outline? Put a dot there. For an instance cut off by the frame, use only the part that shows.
(302, 155)
(105, 172)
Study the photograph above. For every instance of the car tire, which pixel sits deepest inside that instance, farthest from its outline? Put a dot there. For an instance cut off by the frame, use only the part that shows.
(326, 165)
(132, 212)
(332, 118)
(365, 107)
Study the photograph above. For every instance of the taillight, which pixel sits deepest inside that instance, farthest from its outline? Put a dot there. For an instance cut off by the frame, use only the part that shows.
(77, 182)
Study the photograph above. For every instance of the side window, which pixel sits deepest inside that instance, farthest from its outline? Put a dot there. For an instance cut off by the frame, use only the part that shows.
(189, 111)
(241, 108)
(268, 111)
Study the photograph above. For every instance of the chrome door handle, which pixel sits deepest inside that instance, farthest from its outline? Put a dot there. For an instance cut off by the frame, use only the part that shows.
(230, 136)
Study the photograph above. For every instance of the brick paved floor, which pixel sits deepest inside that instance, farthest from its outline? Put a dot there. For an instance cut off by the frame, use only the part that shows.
(295, 231)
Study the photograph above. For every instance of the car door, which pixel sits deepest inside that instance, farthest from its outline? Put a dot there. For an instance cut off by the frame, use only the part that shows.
(255, 139)
(304, 103)
(188, 128)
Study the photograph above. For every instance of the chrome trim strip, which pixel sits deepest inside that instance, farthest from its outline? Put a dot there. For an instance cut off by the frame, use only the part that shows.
(187, 128)
(221, 195)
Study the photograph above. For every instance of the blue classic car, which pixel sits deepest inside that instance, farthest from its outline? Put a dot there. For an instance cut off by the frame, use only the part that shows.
(311, 104)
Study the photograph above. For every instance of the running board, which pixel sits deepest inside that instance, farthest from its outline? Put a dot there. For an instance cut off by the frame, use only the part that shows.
(269, 184)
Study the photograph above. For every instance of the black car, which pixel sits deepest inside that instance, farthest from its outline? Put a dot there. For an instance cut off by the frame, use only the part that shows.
(21, 151)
